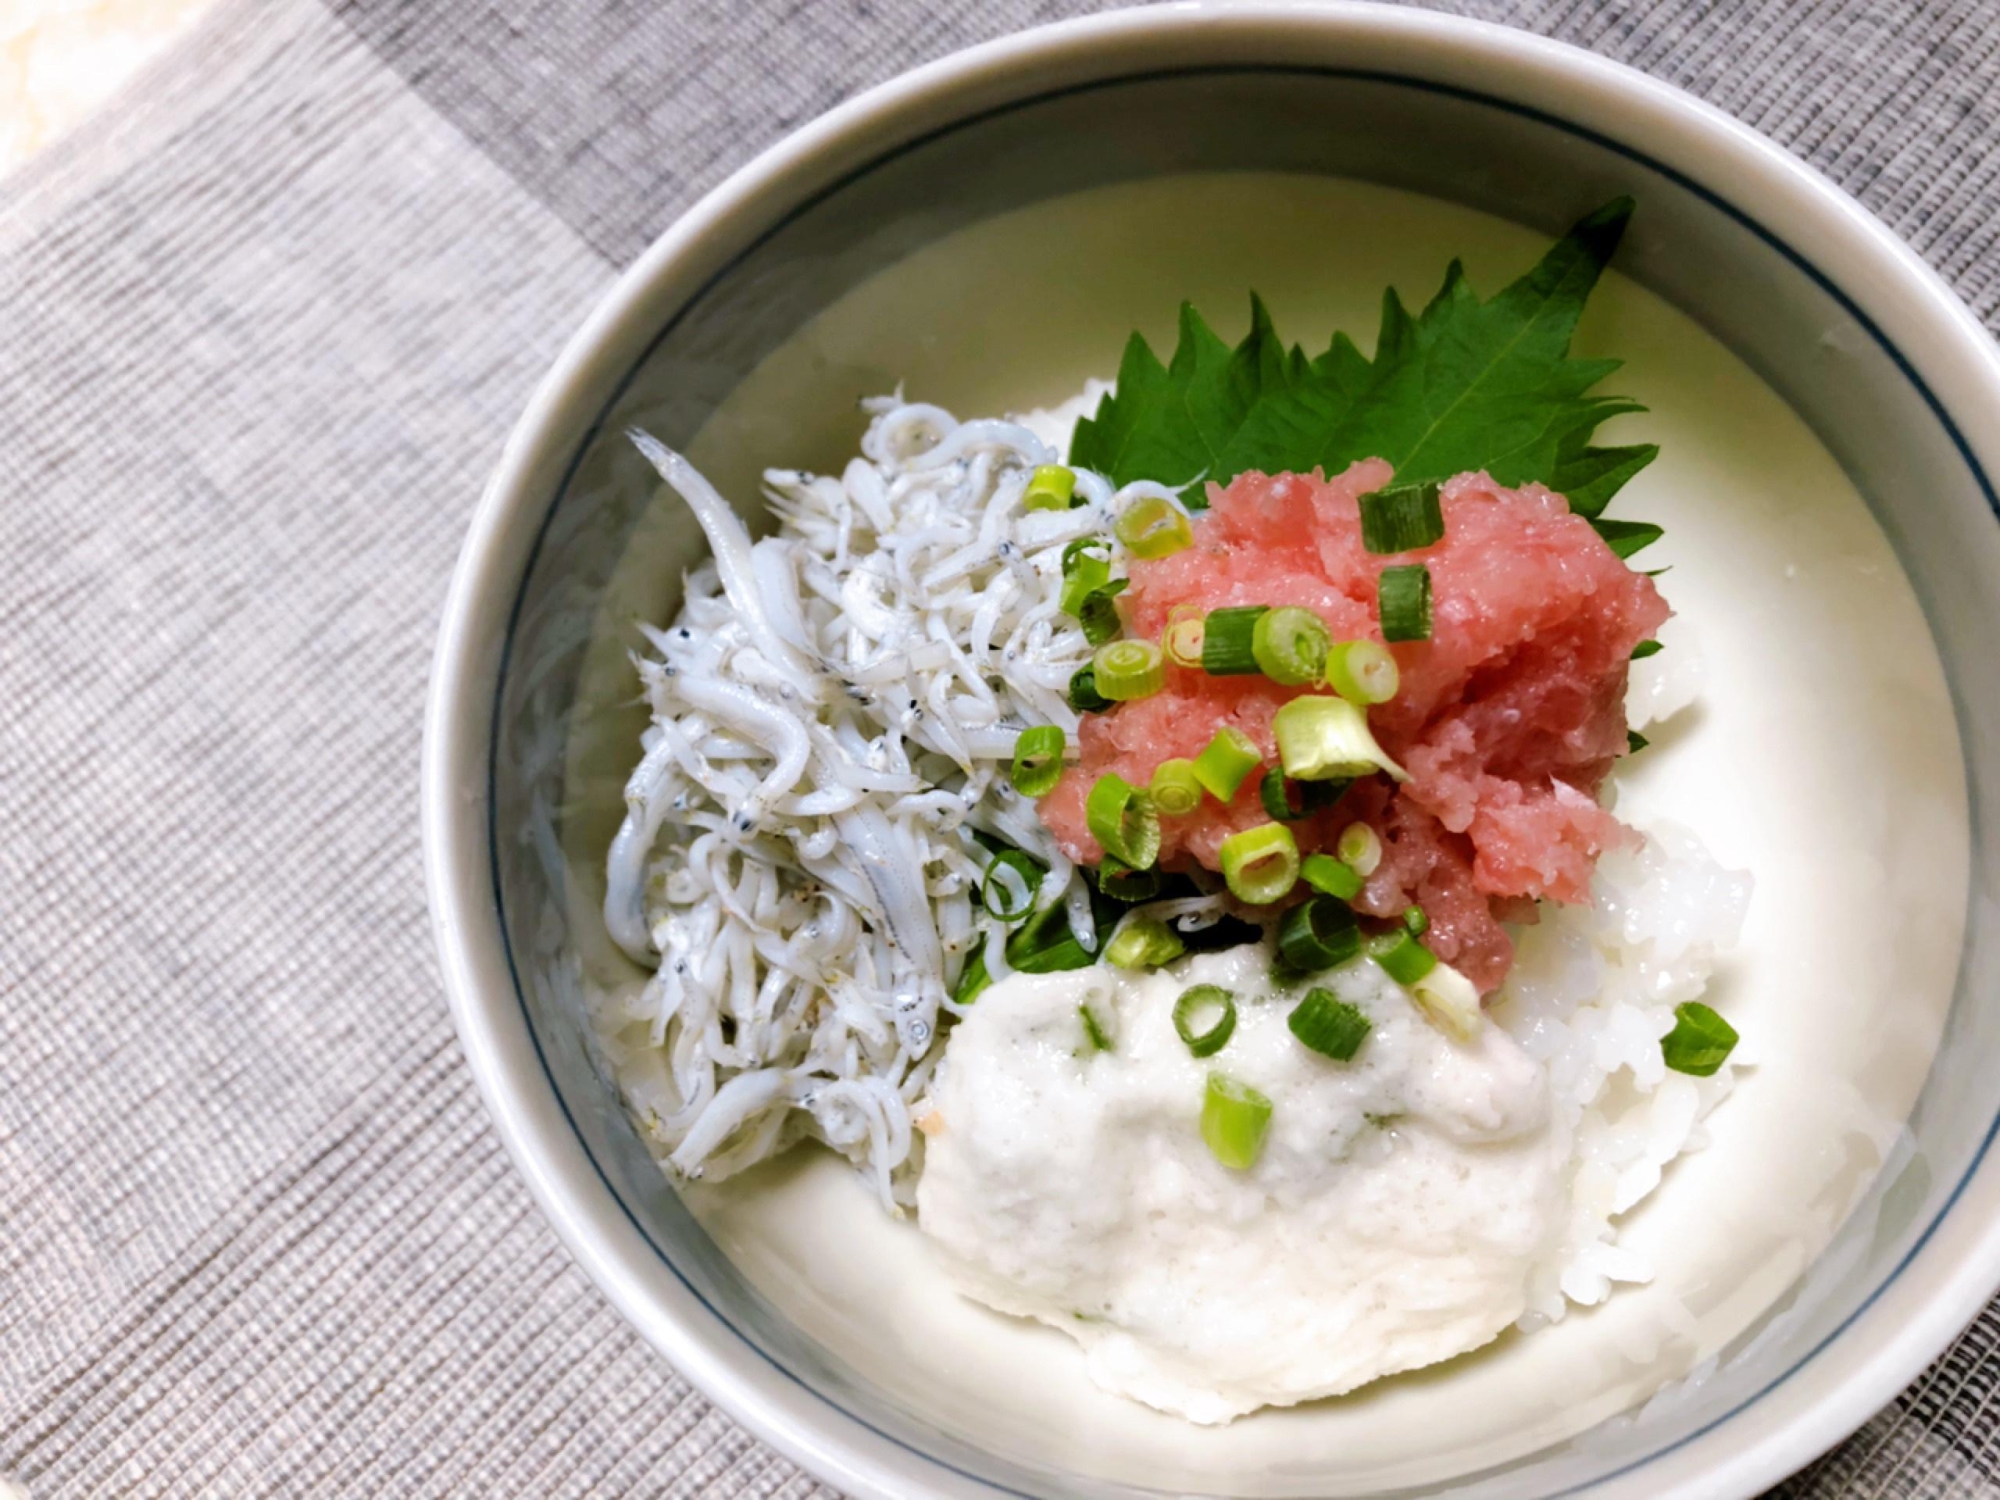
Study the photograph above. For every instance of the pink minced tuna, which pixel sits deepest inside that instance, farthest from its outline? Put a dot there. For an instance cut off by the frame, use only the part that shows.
(1507, 718)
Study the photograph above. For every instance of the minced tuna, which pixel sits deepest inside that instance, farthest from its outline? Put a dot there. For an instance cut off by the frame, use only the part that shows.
(1507, 717)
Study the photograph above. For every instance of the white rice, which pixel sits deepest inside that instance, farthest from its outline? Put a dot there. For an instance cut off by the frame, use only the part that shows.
(1592, 991)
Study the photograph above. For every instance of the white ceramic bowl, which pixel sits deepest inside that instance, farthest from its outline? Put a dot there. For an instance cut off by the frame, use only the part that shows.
(987, 227)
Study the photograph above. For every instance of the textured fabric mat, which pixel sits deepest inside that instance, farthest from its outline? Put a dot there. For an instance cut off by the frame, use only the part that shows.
(262, 330)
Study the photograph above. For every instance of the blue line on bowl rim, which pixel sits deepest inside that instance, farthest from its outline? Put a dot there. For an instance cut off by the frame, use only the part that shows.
(596, 427)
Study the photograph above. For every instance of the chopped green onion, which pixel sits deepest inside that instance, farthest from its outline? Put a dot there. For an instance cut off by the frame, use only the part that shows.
(1049, 488)
(1234, 1117)
(1401, 519)
(1271, 791)
(1403, 598)
(1402, 957)
(1313, 795)
(1143, 943)
(1082, 549)
(1260, 864)
(1317, 934)
(1083, 694)
(1645, 649)
(1100, 1036)
(1329, 1025)
(1228, 639)
(1290, 645)
(1175, 788)
(1416, 920)
(1120, 882)
(1360, 848)
(1008, 891)
(1182, 640)
(1045, 943)
(1362, 672)
(1099, 615)
(1129, 669)
(1084, 571)
(1700, 1042)
(973, 980)
(1635, 742)
(1153, 526)
(1194, 1005)
(1450, 1000)
(1323, 738)
(1122, 819)
(1325, 873)
(1038, 758)
(1228, 758)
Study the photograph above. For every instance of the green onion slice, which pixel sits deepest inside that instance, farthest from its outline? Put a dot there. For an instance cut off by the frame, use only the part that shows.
(1416, 920)
(1085, 548)
(1083, 694)
(1099, 615)
(973, 980)
(1362, 672)
(1313, 795)
(1049, 488)
(1329, 1025)
(1234, 1117)
(1045, 944)
(1403, 598)
(1325, 873)
(1228, 641)
(1038, 760)
(1153, 526)
(1143, 943)
(1317, 934)
(1260, 864)
(1271, 791)
(1129, 669)
(1449, 1000)
(1099, 1034)
(1228, 759)
(1290, 644)
(1402, 957)
(1175, 788)
(1401, 519)
(1086, 568)
(1183, 636)
(1120, 882)
(1700, 1042)
(1635, 742)
(1008, 891)
(1360, 848)
(1323, 738)
(1194, 1007)
(1122, 819)
(1645, 649)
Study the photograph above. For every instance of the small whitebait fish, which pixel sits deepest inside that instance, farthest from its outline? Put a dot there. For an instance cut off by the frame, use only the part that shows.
(835, 707)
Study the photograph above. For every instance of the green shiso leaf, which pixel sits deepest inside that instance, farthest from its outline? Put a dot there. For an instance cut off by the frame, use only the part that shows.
(1464, 384)
(1182, 423)
(1627, 537)
(1588, 477)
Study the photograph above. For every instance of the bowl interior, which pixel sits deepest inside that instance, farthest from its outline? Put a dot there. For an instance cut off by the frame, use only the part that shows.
(1831, 540)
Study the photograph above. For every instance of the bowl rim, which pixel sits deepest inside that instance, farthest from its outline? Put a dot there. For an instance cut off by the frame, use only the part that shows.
(503, 1054)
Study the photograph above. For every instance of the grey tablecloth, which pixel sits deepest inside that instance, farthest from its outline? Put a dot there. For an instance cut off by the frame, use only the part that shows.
(262, 329)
